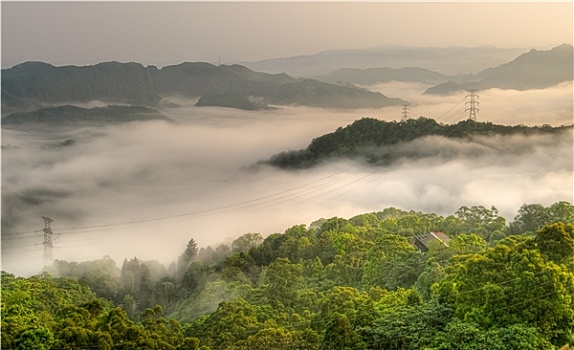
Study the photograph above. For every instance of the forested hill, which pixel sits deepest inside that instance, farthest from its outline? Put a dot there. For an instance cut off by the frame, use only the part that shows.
(74, 115)
(382, 142)
(339, 284)
(33, 84)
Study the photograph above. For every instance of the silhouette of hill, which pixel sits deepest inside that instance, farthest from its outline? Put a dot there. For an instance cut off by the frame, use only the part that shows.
(448, 60)
(532, 70)
(33, 85)
(380, 142)
(73, 115)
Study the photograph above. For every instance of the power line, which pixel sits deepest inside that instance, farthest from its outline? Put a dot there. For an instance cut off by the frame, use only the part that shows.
(279, 197)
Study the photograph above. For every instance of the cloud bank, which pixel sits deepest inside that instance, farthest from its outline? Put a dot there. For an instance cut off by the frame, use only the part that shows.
(144, 189)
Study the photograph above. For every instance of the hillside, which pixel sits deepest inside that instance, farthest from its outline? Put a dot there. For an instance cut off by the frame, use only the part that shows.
(382, 143)
(532, 70)
(33, 85)
(74, 115)
(374, 281)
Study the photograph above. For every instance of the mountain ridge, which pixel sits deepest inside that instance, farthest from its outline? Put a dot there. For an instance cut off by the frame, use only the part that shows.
(31, 85)
(532, 70)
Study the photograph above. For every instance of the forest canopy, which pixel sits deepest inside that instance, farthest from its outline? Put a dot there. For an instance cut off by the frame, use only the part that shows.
(379, 142)
(357, 283)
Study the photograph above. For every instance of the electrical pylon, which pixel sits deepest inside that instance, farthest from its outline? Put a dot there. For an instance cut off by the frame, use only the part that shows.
(47, 239)
(405, 113)
(473, 105)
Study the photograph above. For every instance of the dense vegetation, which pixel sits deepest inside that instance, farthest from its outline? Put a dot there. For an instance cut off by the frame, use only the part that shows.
(353, 283)
(74, 115)
(369, 139)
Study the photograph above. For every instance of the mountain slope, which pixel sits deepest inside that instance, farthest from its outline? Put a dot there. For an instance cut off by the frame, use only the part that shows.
(74, 115)
(381, 143)
(532, 70)
(33, 85)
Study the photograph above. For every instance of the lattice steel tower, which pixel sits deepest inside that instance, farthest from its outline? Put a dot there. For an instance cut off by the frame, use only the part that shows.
(405, 113)
(472, 105)
(47, 239)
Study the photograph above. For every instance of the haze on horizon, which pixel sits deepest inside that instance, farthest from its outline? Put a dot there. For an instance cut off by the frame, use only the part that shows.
(156, 33)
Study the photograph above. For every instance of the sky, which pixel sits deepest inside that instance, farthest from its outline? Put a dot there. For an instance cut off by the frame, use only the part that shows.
(161, 33)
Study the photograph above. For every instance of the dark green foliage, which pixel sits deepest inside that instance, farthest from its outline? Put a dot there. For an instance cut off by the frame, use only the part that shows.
(408, 327)
(372, 140)
(342, 284)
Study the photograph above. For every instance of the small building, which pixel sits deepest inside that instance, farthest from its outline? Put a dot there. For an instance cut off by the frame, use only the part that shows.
(427, 240)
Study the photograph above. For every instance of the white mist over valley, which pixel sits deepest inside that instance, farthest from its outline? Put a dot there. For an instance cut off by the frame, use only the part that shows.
(145, 188)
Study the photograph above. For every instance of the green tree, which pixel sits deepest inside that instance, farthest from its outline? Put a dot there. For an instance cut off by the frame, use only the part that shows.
(283, 279)
(244, 243)
(530, 218)
(392, 262)
(35, 339)
(340, 335)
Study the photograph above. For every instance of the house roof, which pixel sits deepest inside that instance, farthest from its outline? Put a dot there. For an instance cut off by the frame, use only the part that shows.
(424, 241)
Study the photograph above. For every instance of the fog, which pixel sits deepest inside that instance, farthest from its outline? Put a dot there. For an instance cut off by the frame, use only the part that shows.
(144, 189)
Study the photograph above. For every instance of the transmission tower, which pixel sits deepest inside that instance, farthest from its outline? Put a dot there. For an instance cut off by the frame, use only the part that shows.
(405, 113)
(47, 240)
(472, 105)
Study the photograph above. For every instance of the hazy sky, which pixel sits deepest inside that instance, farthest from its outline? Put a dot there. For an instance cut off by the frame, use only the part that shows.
(169, 33)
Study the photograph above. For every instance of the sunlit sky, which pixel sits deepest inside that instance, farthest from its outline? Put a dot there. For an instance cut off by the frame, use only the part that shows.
(162, 33)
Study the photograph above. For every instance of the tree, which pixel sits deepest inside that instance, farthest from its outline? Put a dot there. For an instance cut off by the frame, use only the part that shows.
(561, 212)
(556, 241)
(530, 218)
(244, 243)
(392, 262)
(35, 339)
(514, 282)
(190, 252)
(340, 335)
(284, 279)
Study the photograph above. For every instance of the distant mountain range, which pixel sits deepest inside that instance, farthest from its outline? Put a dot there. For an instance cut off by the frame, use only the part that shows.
(68, 115)
(532, 70)
(448, 60)
(33, 85)
(372, 76)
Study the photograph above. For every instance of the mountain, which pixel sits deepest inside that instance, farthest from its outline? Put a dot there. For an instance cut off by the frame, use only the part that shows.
(381, 143)
(449, 60)
(532, 70)
(32, 85)
(371, 76)
(73, 115)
